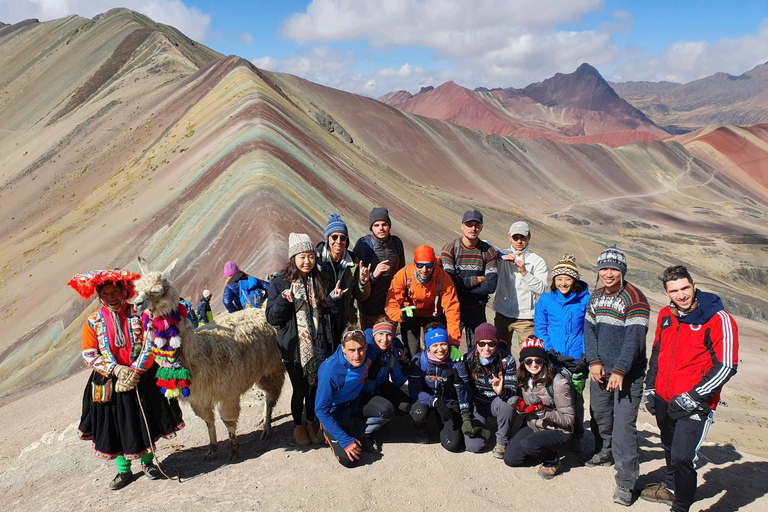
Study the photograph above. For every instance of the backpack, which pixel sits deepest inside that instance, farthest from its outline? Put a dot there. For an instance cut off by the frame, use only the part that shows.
(251, 292)
(190, 312)
(368, 256)
(202, 313)
(483, 247)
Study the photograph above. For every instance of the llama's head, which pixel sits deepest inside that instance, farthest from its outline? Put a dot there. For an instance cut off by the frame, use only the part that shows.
(154, 291)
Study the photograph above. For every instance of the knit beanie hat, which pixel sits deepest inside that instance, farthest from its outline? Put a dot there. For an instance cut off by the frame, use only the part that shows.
(299, 242)
(384, 327)
(230, 268)
(207, 294)
(335, 225)
(378, 214)
(566, 266)
(612, 257)
(436, 335)
(531, 347)
(424, 253)
(486, 332)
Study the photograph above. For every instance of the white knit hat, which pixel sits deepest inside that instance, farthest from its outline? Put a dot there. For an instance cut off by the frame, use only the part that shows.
(299, 242)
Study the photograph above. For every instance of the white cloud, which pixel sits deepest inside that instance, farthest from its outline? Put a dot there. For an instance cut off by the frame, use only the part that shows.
(246, 38)
(190, 20)
(690, 60)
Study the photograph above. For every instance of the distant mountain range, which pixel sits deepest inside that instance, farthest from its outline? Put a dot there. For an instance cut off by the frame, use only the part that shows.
(576, 107)
(717, 99)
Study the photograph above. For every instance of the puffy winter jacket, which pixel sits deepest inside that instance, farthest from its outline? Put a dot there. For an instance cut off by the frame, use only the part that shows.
(695, 354)
(338, 390)
(559, 415)
(559, 321)
(481, 377)
(425, 296)
(448, 381)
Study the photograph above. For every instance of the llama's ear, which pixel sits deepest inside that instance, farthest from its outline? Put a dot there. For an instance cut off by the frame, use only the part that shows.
(143, 265)
(170, 268)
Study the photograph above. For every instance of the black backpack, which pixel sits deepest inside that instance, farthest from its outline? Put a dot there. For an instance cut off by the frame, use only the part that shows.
(483, 247)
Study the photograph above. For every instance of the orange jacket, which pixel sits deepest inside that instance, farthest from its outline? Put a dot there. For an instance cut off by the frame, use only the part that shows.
(422, 295)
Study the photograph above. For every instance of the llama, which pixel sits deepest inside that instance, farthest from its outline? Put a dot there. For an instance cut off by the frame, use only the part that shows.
(225, 358)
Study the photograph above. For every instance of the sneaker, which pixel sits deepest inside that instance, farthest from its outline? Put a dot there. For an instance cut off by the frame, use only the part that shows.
(549, 472)
(312, 429)
(622, 496)
(600, 459)
(498, 451)
(658, 493)
(300, 435)
(120, 481)
(151, 471)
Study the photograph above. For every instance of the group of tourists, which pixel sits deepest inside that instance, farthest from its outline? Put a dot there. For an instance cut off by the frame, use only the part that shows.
(338, 313)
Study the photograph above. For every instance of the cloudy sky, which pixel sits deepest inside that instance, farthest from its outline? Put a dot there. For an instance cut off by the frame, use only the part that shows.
(376, 46)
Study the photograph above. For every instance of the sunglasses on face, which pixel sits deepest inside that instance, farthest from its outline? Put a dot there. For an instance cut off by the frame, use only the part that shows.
(337, 236)
(423, 265)
(534, 360)
(491, 344)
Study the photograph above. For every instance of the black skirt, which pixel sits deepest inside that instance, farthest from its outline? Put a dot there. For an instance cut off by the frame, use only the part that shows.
(113, 421)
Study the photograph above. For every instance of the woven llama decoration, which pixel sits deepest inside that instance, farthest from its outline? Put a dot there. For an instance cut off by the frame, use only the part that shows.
(172, 377)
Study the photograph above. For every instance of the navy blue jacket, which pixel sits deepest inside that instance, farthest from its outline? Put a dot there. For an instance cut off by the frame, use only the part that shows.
(447, 381)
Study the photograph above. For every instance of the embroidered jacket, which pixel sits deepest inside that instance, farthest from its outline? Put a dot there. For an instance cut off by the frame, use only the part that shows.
(99, 350)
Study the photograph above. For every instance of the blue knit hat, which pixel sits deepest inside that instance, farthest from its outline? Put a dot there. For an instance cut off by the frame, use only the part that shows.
(436, 335)
(335, 225)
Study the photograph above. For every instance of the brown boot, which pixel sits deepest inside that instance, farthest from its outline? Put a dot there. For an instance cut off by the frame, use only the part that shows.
(658, 493)
(300, 435)
(549, 472)
(312, 429)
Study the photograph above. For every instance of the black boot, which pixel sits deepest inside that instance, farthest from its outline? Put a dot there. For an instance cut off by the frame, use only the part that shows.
(120, 481)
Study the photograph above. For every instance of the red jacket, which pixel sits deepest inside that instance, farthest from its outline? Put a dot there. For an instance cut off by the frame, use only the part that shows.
(695, 354)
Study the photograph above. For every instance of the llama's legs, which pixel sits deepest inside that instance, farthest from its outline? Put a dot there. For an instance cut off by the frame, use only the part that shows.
(205, 411)
(230, 412)
(272, 387)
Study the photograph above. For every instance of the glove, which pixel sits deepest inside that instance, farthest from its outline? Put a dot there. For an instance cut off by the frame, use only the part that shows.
(535, 407)
(466, 425)
(517, 403)
(682, 405)
(649, 400)
(456, 354)
(442, 410)
(121, 371)
(407, 311)
(127, 380)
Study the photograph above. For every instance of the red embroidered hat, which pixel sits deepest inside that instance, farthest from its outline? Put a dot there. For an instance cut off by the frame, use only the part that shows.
(86, 284)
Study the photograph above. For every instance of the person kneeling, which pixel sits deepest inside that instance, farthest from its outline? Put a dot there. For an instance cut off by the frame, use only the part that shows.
(440, 384)
(546, 399)
(341, 377)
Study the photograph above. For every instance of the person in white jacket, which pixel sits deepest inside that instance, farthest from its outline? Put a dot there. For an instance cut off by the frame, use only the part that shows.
(522, 280)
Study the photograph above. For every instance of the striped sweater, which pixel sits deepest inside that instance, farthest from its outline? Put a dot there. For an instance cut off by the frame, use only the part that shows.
(615, 330)
(466, 267)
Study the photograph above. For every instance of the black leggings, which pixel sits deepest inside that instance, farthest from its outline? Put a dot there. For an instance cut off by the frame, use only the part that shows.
(303, 396)
(451, 436)
(541, 445)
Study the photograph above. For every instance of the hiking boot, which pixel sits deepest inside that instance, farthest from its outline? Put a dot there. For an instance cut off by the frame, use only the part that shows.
(120, 481)
(658, 493)
(370, 444)
(600, 459)
(312, 429)
(151, 471)
(498, 451)
(549, 472)
(300, 435)
(622, 496)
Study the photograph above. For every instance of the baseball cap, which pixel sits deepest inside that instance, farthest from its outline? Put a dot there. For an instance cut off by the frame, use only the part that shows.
(471, 215)
(519, 228)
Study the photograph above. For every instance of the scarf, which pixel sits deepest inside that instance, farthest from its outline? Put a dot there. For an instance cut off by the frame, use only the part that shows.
(436, 360)
(305, 307)
(679, 313)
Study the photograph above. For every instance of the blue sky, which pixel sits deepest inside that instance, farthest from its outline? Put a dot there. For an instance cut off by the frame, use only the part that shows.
(374, 46)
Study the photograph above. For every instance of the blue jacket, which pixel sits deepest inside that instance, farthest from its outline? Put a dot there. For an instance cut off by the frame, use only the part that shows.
(559, 321)
(231, 297)
(448, 381)
(338, 390)
(384, 365)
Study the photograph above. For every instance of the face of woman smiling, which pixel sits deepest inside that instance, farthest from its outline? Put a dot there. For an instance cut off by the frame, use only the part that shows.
(486, 348)
(305, 262)
(564, 283)
(112, 296)
(439, 350)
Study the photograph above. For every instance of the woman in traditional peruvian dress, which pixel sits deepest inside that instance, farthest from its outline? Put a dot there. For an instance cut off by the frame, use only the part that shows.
(123, 377)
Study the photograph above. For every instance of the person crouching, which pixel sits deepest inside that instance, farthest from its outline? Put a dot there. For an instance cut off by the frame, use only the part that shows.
(340, 380)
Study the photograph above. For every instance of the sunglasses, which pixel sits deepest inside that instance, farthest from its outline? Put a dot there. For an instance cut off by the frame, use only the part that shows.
(534, 360)
(481, 344)
(335, 237)
(423, 265)
(354, 334)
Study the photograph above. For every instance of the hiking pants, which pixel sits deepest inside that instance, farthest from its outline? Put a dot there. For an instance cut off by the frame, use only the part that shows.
(375, 414)
(506, 326)
(451, 435)
(681, 440)
(411, 329)
(505, 418)
(303, 395)
(393, 394)
(470, 319)
(614, 422)
(541, 445)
